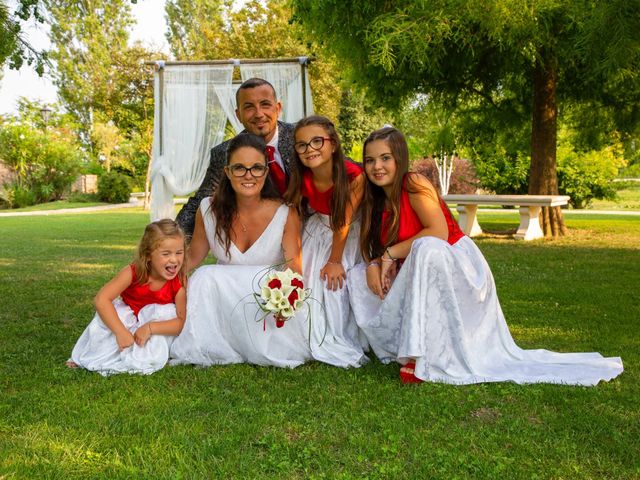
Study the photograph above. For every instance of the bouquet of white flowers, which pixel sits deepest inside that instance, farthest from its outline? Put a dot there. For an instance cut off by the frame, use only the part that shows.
(282, 294)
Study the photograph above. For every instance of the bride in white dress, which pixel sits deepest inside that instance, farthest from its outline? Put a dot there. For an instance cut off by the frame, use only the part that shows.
(248, 229)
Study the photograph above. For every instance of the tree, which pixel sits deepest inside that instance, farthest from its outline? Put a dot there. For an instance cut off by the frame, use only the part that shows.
(87, 39)
(356, 120)
(102, 80)
(510, 56)
(206, 30)
(13, 47)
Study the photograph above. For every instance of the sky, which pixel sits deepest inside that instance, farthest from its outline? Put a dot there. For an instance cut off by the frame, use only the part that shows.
(150, 29)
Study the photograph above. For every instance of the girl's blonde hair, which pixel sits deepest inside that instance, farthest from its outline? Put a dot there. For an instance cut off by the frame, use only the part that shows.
(154, 233)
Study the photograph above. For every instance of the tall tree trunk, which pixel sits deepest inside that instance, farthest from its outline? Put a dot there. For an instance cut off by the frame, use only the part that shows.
(543, 178)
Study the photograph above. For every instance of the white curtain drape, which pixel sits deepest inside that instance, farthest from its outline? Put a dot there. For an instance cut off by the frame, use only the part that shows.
(227, 96)
(193, 121)
(286, 78)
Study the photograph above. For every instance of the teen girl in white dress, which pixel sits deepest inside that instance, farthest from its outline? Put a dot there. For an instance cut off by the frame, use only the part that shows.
(326, 188)
(440, 316)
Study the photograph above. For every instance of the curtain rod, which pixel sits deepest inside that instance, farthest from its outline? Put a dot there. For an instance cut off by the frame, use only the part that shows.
(232, 61)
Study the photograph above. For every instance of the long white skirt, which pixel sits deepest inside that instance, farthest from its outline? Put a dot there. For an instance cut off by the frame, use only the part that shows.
(97, 349)
(443, 311)
(335, 338)
(221, 326)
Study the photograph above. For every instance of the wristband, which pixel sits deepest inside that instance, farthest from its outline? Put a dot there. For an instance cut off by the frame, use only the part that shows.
(389, 254)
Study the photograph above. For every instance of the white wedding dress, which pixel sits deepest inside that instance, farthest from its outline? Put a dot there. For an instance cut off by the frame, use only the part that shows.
(97, 349)
(335, 338)
(221, 326)
(443, 311)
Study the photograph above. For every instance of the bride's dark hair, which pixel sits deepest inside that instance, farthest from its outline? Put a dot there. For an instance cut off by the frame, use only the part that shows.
(224, 206)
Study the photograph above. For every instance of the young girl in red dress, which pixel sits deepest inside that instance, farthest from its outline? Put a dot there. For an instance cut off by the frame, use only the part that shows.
(326, 188)
(426, 297)
(140, 310)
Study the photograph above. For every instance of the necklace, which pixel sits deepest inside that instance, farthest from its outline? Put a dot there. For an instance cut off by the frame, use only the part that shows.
(244, 227)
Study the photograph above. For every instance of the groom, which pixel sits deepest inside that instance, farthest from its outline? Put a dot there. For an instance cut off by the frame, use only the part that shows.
(258, 110)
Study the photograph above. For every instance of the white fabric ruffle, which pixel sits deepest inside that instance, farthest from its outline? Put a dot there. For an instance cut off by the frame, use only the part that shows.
(221, 326)
(97, 349)
(443, 311)
(335, 338)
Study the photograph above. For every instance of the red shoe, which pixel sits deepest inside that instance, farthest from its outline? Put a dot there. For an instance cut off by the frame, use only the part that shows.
(407, 373)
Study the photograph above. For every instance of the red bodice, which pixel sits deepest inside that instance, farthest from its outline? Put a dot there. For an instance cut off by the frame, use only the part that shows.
(138, 296)
(410, 223)
(321, 201)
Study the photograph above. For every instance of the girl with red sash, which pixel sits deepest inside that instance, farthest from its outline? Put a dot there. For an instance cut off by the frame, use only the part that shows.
(426, 297)
(140, 310)
(326, 188)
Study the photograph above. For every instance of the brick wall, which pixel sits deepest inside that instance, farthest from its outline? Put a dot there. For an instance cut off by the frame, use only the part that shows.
(85, 184)
(6, 174)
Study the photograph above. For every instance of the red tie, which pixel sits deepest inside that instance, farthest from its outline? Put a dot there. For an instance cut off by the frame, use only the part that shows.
(277, 174)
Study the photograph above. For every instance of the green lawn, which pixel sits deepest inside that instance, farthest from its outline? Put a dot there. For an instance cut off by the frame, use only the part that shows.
(580, 293)
(57, 205)
(627, 198)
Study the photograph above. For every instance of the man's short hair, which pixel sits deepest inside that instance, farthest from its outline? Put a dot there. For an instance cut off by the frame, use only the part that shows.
(253, 83)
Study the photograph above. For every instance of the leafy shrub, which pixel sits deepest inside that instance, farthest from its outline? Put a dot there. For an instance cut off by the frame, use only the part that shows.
(463, 177)
(114, 187)
(19, 197)
(504, 173)
(631, 171)
(589, 175)
(44, 163)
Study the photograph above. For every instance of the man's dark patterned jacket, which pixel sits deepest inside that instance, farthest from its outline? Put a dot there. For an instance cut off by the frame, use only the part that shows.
(187, 216)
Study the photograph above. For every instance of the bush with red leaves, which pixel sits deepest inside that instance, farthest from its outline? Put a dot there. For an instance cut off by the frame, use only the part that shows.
(463, 176)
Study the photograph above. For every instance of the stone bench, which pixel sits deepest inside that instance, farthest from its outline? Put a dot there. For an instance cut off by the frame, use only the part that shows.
(529, 207)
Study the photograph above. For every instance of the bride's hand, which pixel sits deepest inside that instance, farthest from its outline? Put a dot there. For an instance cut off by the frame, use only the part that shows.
(333, 273)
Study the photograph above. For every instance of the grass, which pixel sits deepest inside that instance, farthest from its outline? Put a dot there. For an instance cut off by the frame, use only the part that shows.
(627, 198)
(579, 293)
(56, 205)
